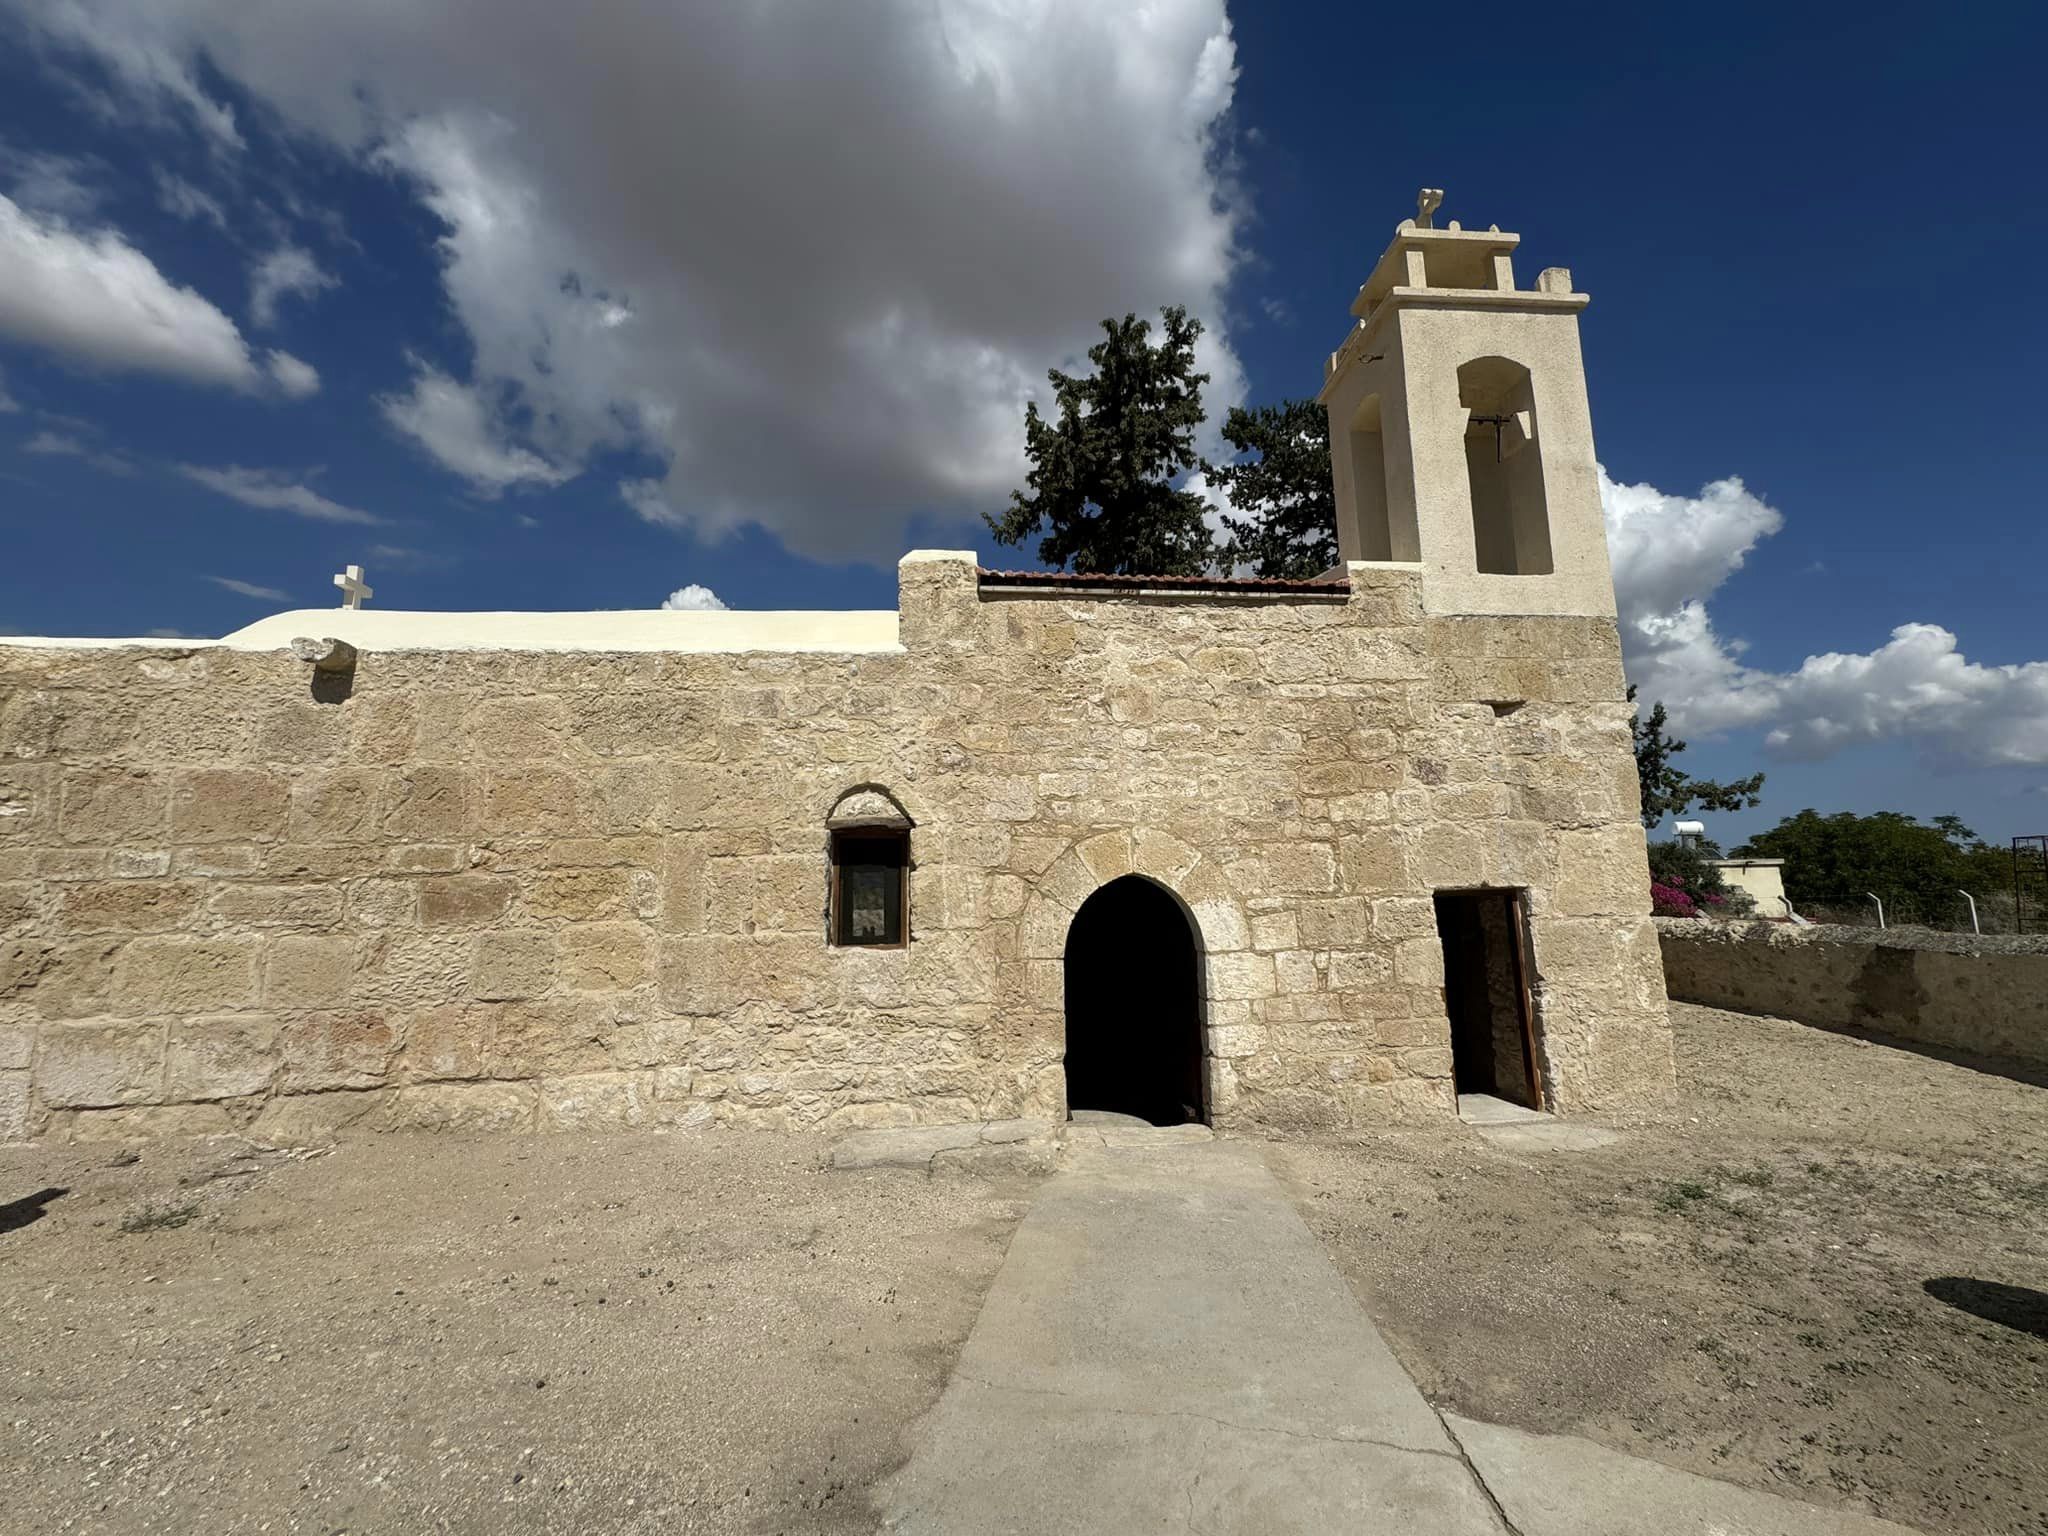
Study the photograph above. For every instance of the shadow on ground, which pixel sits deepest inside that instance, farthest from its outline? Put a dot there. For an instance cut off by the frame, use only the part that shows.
(2018, 1307)
(29, 1208)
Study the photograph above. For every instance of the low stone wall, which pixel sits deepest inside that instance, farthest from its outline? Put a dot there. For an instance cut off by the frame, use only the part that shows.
(1983, 995)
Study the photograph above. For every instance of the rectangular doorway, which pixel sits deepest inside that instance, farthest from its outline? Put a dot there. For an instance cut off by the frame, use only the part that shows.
(1488, 994)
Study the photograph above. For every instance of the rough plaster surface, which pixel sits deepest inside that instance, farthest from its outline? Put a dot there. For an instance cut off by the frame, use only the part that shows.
(527, 890)
(1983, 995)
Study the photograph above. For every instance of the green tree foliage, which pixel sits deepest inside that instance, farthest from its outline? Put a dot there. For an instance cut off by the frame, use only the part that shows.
(1831, 861)
(1288, 521)
(1669, 790)
(1101, 474)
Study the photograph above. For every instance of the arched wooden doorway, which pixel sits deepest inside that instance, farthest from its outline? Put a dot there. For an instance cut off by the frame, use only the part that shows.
(1134, 1005)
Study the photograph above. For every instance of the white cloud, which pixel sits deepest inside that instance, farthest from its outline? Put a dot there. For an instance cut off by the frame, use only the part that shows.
(693, 599)
(288, 270)
(8, 404)
(1671, 554)
(650, 500)
(73, 440)
(451, 421)
(810, 259)
(181, 199)
(250, 589)
(274, 491)
(66, 186)
(295, 378)
(96, 300)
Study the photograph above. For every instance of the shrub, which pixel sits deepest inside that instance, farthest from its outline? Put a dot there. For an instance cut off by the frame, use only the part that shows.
(1683, 883)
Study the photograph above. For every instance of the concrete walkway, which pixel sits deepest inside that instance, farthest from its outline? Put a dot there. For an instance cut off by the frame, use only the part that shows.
(1167, 1348)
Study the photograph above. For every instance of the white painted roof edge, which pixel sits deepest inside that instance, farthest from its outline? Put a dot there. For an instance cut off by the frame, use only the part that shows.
(860, 632)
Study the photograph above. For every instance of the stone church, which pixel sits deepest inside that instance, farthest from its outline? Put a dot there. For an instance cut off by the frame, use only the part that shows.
(1266, 854)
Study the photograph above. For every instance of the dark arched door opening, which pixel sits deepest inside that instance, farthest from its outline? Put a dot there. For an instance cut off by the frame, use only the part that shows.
(1134, 1008)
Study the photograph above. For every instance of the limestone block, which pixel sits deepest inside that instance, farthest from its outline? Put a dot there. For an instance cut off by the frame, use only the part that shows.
(17, 1043)
(220, 1058)
(126, 906)
(339, 806)
(138, 863)
(508, 729)
(171, 975)
(514, 963)
(300, 731)
(1419, 962)
(113, 805)
(227, 861)
(1603, 871)
(145, 1120)
(1403, 917)
(423, 859)
(320, 1051)
(1221, 924)
(465, 901)
(1295, 971)
(616, 957)
(1305, 867)
(382, 903)
(84, 1065)
(450, 1041)
(276, 906)
(599, 1101)
(1354, 970)
(404, 968)
(464, 1107)
(14, 1107)
(520, 801)
(1276, 930)
(308, 971)
(1244, 975)
(381, 728)
(1336, 923)
(228, 805)
(1043, 933)
(316, 1117)
(429, 803)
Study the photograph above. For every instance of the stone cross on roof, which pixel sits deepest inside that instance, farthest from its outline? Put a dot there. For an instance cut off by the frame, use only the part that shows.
(354, 590)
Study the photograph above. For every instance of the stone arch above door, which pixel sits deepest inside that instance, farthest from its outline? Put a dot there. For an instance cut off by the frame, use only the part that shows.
(1093, 861)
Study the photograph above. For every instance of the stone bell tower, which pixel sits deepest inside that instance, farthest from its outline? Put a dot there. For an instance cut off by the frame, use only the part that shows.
(1460, 436)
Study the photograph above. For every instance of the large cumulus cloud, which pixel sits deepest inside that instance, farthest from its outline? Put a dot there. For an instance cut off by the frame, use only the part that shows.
(809, 258)
(1671, 555)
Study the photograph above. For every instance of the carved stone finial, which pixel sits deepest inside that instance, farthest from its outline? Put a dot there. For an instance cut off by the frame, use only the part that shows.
(1427, 201)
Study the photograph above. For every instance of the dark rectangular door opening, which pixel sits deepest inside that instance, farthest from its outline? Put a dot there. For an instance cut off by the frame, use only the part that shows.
(1487, 994)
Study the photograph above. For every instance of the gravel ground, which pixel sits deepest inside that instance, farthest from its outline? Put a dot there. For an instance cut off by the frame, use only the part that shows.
(621, 1334)
(1824, 1273)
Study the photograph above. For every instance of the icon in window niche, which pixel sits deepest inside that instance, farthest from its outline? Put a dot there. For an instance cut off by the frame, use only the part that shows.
(867, 901)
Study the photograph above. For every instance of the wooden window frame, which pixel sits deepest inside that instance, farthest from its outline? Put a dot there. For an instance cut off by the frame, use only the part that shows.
(838, 840)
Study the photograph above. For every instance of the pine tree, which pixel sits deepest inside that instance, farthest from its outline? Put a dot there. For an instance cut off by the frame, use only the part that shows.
(1286, 522)
(1101, 474)
(1670, 791)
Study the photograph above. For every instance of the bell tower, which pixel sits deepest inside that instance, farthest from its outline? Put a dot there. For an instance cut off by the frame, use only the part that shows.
(1461, 440)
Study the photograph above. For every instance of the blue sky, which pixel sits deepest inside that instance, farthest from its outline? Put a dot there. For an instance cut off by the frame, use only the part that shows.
(526, 310)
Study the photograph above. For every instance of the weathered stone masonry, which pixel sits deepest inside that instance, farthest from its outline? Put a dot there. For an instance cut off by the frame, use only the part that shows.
(566, 870)
(495, 889)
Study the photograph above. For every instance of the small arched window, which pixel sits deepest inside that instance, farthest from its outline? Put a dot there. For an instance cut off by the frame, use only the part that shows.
(868, 840)
(1504, 467)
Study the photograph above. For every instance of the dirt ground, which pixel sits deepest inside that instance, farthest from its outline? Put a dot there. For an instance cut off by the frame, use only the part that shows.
(623, 1334)
(1823, 1274)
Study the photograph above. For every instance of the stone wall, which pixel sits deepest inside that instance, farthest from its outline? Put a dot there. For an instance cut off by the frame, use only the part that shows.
(1981, 995)
(500, 889)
